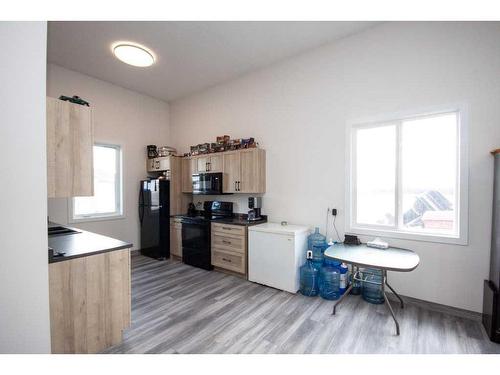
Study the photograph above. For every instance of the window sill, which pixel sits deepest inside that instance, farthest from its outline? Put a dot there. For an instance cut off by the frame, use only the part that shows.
(409, 236)
(96, 218)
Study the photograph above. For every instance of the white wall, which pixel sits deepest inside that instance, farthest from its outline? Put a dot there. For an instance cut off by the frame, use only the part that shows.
(24, 285)
(298, 109)
(122, 117)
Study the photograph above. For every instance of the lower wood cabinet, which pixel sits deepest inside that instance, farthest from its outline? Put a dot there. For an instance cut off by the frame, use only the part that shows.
(176, 237)
(89, 302)
(229, 247)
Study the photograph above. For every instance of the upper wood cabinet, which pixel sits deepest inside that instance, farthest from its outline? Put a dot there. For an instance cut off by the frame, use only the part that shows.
(189, 166)
(232, 167)
(245, 171)
(70, 140)
(208, 163)
(159, 164)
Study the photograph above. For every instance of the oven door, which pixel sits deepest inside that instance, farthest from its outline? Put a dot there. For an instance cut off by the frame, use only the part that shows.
(207, 183)
(196, 244)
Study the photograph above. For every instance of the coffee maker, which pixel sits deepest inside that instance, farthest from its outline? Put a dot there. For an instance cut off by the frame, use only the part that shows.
(254, 205)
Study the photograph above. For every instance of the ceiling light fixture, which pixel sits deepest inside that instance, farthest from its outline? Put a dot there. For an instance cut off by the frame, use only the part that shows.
(133, 54)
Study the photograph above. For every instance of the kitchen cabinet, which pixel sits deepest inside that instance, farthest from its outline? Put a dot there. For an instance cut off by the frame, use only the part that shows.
(176, 237)
(90, 301)
(70, 141)
(229, 248)
(171, 167)
(212, 163)
(188, 168)
(159, 164)
(245, 171)
(232, 167)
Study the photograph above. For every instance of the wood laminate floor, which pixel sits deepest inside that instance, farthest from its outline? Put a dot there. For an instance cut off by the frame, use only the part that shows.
(181, 309)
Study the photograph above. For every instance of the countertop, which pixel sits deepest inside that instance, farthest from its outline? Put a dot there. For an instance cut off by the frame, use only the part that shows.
(82, 244)
(237, 219)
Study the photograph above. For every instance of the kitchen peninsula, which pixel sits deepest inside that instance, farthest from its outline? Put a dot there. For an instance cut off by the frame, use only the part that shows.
(89, 289)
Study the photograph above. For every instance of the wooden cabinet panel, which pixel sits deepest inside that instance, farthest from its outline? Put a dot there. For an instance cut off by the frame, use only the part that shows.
(229, 247)
(253, 171)
(177, 200)
(215, 163)
(231, 165)
(202, 164)
(89, 302)
(175, 238)
(69, 149)
(229, 229)
(231, 243)
(188, 165)
(228, 260)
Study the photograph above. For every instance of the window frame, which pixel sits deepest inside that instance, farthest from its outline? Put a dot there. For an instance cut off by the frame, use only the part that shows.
(119, 209)
(461, 198)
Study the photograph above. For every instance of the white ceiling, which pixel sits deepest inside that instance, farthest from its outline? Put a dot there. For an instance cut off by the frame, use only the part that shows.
(191, 56)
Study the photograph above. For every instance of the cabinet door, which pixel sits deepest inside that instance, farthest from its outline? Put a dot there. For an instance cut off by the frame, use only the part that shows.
(202, 164)
(80, 119)
(253, 172)
(231, 165)
(163, 164)
(59, 168)
(187, 171)
(150, 163)
(215, 163)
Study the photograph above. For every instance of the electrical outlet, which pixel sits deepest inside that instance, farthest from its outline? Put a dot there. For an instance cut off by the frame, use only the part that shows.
(334, 211)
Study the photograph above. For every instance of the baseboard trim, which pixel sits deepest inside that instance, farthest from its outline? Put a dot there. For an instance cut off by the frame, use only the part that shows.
(437, 307)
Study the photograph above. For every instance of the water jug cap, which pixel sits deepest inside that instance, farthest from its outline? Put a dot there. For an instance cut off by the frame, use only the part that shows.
(316, 230)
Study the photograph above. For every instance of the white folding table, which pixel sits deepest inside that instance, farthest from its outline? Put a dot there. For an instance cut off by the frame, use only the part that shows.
(390, 259)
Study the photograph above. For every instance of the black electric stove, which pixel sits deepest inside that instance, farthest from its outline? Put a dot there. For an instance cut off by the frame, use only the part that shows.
(196, 249)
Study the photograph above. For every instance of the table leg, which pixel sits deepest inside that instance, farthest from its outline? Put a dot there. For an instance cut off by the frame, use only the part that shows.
(388, 303)
(341, 298)
(397, 295)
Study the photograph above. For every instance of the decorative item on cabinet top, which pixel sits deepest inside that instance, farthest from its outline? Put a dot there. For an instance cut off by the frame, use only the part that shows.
(223, 143)
(75, 100)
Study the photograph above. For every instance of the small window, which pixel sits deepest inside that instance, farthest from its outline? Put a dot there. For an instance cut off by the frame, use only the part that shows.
(408, 178)
(107, 199)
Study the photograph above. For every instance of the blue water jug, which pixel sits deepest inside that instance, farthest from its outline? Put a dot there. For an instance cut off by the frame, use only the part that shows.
(316, 242)
(329, 280)
(373, 293)
(309, 275)
(344, 282)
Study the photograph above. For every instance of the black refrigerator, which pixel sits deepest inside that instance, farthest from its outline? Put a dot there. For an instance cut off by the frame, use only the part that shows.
(154, 218)
(491, 295)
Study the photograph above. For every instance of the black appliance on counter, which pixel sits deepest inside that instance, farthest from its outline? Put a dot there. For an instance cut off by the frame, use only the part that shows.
(154, 218)
(491, 293)
(207, 183)
(196, 247)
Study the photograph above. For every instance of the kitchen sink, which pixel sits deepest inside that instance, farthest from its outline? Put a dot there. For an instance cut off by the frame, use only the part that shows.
(61, 231)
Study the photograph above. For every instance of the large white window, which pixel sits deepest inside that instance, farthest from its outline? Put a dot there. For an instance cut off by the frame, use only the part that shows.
(107, 199)
(408, 178)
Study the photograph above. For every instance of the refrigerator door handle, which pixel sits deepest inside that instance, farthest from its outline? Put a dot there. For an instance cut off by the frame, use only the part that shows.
(141, 213)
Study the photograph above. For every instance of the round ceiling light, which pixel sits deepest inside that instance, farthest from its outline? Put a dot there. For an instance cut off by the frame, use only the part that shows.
(133, 54)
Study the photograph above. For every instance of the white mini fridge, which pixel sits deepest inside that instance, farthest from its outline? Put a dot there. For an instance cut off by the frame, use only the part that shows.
(275, 254)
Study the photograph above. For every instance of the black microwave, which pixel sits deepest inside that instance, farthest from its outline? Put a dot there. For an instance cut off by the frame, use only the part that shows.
(207, 183)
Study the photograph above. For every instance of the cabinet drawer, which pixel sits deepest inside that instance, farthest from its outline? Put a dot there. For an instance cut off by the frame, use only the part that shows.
(228, 260)
(232, 243)
(229, 229)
